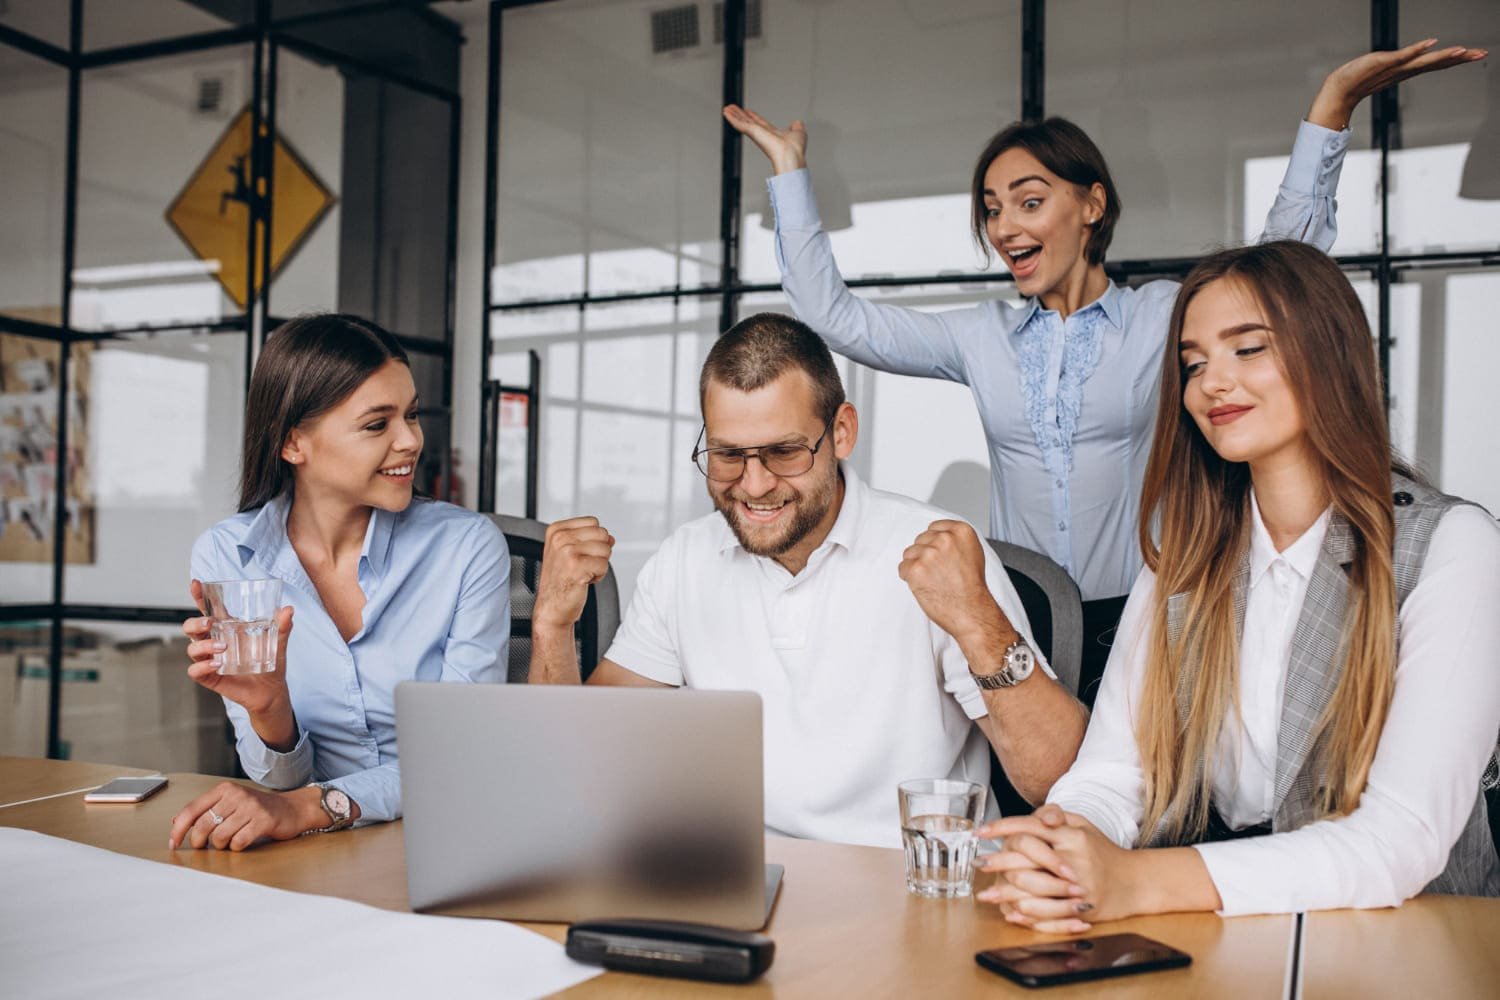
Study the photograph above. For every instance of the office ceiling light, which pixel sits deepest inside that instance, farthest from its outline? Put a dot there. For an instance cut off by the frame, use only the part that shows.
(210, 95)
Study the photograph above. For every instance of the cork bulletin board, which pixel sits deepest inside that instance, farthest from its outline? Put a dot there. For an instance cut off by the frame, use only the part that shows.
(29, 370)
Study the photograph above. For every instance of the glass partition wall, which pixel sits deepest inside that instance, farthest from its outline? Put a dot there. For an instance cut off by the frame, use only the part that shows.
(142, 143)
(628, 225)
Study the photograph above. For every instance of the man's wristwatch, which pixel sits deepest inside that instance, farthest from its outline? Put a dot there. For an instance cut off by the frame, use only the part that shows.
(338, 807)
(1017, 662)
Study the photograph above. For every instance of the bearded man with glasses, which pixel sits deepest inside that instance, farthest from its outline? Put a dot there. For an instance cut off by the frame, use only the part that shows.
(883, 635)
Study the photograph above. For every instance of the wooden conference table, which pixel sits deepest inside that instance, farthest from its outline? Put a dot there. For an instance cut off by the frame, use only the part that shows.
(844, 924)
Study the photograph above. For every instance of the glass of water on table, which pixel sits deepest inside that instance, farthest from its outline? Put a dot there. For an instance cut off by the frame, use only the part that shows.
(243, 618)
(938, 818)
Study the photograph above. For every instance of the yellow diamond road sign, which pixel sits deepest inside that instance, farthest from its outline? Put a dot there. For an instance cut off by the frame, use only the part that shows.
(213, 210)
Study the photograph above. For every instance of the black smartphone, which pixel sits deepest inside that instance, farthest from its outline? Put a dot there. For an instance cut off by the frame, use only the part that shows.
(1052, 963)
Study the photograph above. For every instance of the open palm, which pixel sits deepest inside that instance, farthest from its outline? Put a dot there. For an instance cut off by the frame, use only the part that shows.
(1372, 72)
(786, 148)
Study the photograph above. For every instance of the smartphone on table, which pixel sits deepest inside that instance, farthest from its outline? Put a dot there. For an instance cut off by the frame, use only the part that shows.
(127, 789)
(1052, 963)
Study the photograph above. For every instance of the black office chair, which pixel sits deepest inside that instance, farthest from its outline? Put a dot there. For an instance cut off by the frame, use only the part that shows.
(1491, 785)
(1054, 608)
(601, 612)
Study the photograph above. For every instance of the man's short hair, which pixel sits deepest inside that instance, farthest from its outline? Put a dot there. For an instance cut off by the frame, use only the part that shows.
(759, 349)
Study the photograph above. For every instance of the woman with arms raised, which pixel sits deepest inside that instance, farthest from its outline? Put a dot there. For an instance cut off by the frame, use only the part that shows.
(1063, 379)
(385, 587)
(1304, 692)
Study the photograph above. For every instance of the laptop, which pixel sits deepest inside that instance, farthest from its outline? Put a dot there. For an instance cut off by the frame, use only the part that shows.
(564, 803)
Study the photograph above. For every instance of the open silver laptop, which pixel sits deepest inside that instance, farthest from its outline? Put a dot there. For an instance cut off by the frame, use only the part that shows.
(574, 803)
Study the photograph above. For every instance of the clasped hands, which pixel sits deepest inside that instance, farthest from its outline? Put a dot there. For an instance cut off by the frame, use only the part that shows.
(1057, 873)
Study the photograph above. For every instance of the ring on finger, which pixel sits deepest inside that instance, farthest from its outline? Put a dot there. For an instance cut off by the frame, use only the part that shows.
(215, 817)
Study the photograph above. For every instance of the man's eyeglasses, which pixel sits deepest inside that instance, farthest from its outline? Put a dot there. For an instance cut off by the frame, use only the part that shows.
(726, 465)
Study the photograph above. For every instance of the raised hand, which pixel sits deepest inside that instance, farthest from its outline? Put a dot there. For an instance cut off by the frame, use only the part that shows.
(575, 554)
(786, 148)
(1357, 79)
(944, 567)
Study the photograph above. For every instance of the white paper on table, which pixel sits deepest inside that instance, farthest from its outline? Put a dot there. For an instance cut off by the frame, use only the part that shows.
(77, 921)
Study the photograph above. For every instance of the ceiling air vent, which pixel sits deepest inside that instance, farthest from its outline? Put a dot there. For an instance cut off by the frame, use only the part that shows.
(674, 29)
(752, 21)
(209, 97)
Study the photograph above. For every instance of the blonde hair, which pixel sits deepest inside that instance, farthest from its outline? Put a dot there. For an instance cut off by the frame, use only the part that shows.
(1199, 505)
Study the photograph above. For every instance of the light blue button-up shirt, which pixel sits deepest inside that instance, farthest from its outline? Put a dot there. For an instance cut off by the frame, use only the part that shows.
(436, 580)
(1067, 406)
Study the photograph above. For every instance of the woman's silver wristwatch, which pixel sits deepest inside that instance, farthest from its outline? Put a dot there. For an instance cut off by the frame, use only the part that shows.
(1017, 662)
(338, 807)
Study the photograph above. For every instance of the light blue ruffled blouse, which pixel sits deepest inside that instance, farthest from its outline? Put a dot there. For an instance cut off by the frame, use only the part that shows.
(1067, 405)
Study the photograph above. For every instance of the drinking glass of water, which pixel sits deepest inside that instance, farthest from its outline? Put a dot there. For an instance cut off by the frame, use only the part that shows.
(938, 817)
(243, 616)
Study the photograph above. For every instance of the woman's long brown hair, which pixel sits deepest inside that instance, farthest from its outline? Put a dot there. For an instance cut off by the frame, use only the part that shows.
(1198, 505)
(309, 365)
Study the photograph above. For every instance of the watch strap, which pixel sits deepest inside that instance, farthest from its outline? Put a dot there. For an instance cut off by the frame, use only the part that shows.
(993, 682)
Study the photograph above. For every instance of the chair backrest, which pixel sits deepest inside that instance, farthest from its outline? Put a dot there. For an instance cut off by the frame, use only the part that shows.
(601, 613)
(1490, 782)
(1053, 606)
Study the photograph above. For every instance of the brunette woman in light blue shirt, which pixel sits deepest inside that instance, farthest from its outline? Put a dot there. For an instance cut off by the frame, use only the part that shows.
(1065, 379)
(384, 587)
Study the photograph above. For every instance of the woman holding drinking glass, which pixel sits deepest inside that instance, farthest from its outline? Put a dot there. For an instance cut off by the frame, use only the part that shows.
(1063, 379)
(384, 587)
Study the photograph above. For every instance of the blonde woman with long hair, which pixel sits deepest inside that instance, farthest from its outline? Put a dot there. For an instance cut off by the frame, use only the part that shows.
(1305, 691)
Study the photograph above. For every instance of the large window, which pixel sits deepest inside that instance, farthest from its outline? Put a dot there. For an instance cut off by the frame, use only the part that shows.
(898, 99)
(619, 415)
(135, 267)
(609, 186)
(1445, 180)
(1180, 95)
(612, 185)
(33, 152)
(608, 167)
(133, 180)
(1449, 315)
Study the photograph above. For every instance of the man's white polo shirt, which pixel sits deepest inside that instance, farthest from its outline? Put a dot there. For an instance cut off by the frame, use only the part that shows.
(860, 689)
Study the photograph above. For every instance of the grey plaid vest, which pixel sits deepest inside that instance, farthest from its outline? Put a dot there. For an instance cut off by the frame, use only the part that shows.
(1473, 867)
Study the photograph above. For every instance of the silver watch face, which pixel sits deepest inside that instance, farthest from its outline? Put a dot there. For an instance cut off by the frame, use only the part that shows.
(1019, 661)
(337, 803)
(1016, 664)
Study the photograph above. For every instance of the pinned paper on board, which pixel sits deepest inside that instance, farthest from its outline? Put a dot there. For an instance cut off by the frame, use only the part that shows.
(29, 448)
